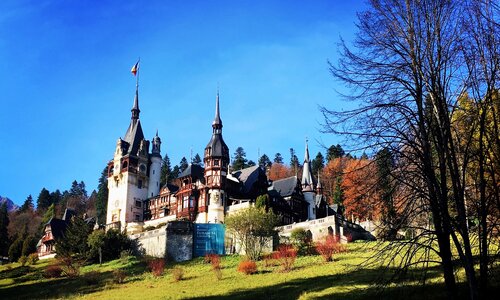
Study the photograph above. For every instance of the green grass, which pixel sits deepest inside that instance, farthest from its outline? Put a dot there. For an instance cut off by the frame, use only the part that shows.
(310, 278)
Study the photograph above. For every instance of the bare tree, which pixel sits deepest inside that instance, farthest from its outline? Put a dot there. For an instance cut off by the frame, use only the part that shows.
(411, 63)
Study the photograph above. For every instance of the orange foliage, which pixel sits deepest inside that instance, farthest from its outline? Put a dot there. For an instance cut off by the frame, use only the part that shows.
(359, 186)
(331, 172)
(279, 171)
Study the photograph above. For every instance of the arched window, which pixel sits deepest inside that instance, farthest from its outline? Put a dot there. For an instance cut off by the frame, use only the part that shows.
(125, 165)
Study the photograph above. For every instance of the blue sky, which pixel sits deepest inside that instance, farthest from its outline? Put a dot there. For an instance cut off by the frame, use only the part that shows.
(67, 89)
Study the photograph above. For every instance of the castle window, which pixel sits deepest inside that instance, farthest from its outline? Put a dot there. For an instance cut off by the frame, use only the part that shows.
(216, 162)
(137, 218)
(124, 165)
(185, 202)
(137, 203)
(139, 183)
(153, 172)
(142, 168)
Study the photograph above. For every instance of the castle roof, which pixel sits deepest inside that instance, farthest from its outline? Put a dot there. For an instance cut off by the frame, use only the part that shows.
(193, 170)
(284, 187)
(216, 146)
(134, 134)
(248, 177)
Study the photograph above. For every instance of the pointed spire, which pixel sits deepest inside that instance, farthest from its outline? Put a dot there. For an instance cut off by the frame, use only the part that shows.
(156, 133)
(217, 123)
(306, 155)
(307, 177)
(135, 109)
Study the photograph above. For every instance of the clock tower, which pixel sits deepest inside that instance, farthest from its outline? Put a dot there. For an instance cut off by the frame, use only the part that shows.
(216, 161)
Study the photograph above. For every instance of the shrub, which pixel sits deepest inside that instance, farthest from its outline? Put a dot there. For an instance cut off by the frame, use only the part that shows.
(330, 246)
(70, 266)
(286, 255)
(302, 241)
(32, 258)
(119, 276)
(157, 266)
(92, 277)
(214, 260)
(125, 254)
(270, 260)
(22, 260)
(53, 271)
(178, 274)
(247, 267)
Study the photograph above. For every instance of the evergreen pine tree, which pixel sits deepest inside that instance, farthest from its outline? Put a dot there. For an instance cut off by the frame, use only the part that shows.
(4, 234)
(183, 164)
(197, 160)
(278, 159)
(27, 205)
(318, 163)
(56, 197)
(239, 160)
(334, 152)
(264, 161)
(74, 243)
(101, 203)
(166, 171)
(29, 246)
(175, 173)
(44, 201)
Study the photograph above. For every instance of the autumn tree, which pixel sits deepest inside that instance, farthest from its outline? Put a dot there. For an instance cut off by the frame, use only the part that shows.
(279, 171)
(358, 185)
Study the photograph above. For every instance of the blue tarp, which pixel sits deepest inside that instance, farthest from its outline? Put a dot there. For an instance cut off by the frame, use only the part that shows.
(208, 238)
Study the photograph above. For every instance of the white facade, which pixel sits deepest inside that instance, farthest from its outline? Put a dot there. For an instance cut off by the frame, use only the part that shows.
(154, 176)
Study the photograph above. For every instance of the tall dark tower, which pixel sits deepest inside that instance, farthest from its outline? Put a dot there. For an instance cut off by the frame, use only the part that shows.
(216, 161)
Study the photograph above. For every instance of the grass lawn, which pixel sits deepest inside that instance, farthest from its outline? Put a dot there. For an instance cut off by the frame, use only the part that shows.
(310, 278)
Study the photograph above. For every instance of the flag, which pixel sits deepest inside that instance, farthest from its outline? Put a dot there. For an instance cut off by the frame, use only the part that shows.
(135, 68)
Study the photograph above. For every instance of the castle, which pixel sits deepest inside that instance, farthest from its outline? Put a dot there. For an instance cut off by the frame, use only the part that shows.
(200, 194)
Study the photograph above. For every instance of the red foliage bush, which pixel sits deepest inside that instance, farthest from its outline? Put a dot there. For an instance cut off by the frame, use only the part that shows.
(286, 255)
(53, 271)
(214, 260)
(157, 266)
(247, 267)
(330, 246)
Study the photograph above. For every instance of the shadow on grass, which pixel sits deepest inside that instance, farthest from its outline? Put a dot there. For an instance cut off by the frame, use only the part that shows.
(30, 284)
(340, 287)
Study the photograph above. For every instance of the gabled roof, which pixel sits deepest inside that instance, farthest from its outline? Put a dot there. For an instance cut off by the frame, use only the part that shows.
(248, 176)
(284, 187)
(193, 170)
(172, 188)
(68, 214)
(58, 227)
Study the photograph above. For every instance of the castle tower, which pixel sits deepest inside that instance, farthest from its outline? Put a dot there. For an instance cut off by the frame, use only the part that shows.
(155, 168)
(216, 161)
(128, 174)
(308, 185)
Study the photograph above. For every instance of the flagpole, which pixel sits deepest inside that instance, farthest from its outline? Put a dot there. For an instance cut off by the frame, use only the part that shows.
(138, 71)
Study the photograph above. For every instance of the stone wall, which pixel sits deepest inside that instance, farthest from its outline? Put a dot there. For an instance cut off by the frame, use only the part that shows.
(174, 241)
